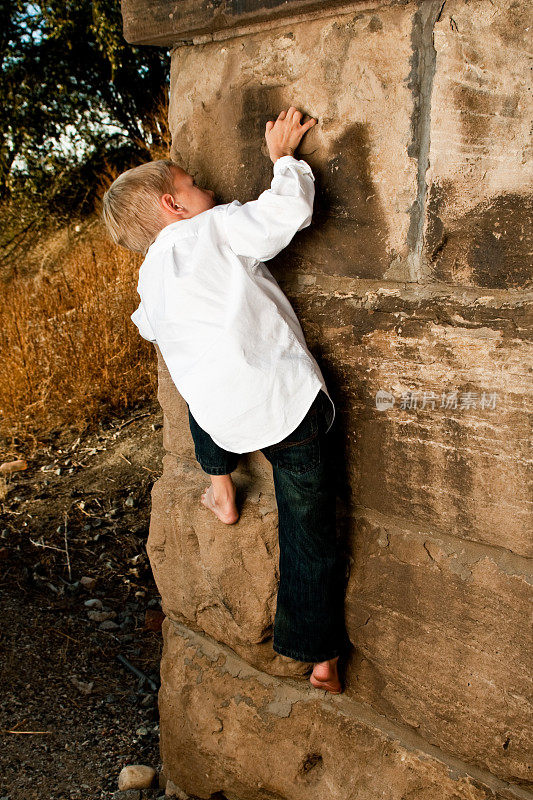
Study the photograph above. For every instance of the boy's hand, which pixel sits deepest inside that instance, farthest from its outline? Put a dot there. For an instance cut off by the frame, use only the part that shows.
(285, 134)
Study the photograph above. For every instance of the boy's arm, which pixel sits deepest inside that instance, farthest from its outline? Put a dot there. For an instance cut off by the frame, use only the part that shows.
(263, 227)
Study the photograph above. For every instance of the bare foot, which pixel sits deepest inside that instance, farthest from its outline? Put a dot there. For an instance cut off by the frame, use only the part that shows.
(325, 676)
(224, 508)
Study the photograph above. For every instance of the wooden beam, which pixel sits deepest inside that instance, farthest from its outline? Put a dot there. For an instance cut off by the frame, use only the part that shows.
(169, 22)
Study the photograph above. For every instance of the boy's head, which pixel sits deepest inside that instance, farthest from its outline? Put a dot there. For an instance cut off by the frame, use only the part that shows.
(144, 200)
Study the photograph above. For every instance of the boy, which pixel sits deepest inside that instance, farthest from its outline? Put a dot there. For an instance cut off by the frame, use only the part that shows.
(237, 354)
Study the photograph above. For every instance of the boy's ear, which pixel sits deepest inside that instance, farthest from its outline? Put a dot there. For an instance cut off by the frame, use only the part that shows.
(172, 206)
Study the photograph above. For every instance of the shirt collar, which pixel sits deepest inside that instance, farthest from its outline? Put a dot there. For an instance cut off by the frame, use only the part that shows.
(183, 227)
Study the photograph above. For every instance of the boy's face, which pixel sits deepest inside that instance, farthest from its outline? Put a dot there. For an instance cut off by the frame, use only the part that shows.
(188, 200)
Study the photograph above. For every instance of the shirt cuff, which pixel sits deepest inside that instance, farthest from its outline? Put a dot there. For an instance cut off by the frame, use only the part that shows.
(300, 166)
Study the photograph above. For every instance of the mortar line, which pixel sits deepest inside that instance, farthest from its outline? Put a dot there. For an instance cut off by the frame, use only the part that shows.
(423, 70)
(357, 288)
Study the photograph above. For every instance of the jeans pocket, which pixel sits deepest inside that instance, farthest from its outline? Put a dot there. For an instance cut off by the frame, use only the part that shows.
(300, 451)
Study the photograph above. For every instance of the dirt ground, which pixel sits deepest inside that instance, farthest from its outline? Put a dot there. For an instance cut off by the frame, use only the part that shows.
(71, 714)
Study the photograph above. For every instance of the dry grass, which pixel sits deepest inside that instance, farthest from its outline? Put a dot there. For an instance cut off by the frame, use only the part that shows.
(70, 356)
(69, 352)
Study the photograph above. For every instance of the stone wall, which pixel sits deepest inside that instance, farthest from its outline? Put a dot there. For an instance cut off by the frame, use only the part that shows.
(413, 280)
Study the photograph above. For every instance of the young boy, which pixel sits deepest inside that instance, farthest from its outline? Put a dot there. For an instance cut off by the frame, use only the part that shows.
(237, 354)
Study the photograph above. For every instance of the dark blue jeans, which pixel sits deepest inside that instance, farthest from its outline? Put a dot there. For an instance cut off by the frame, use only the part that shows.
(309, 619)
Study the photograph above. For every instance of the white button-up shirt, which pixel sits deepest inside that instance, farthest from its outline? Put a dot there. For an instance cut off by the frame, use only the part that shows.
(229, 337)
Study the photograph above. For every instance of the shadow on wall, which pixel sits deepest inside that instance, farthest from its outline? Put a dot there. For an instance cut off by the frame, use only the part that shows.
(348, 234)
(488, 246)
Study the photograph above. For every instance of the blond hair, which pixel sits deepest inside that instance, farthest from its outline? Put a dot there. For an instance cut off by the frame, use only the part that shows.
(131, 209)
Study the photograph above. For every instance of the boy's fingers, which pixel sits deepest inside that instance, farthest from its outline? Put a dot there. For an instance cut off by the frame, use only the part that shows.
(269, 125)
(309, 124)
(282, 114)
(293, 114)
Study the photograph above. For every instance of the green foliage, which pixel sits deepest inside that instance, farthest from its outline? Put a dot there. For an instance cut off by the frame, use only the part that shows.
(73, 94)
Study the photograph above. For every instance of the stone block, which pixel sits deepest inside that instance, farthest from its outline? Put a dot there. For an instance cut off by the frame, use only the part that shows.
(440, 642)
(461, 470)
(478, 226)
(221, 579)
(223, 93)
(227, 727)
(163, 22)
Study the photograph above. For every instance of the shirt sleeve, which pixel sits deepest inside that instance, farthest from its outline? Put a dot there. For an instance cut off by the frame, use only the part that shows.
(261, 228)
(141, 321)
